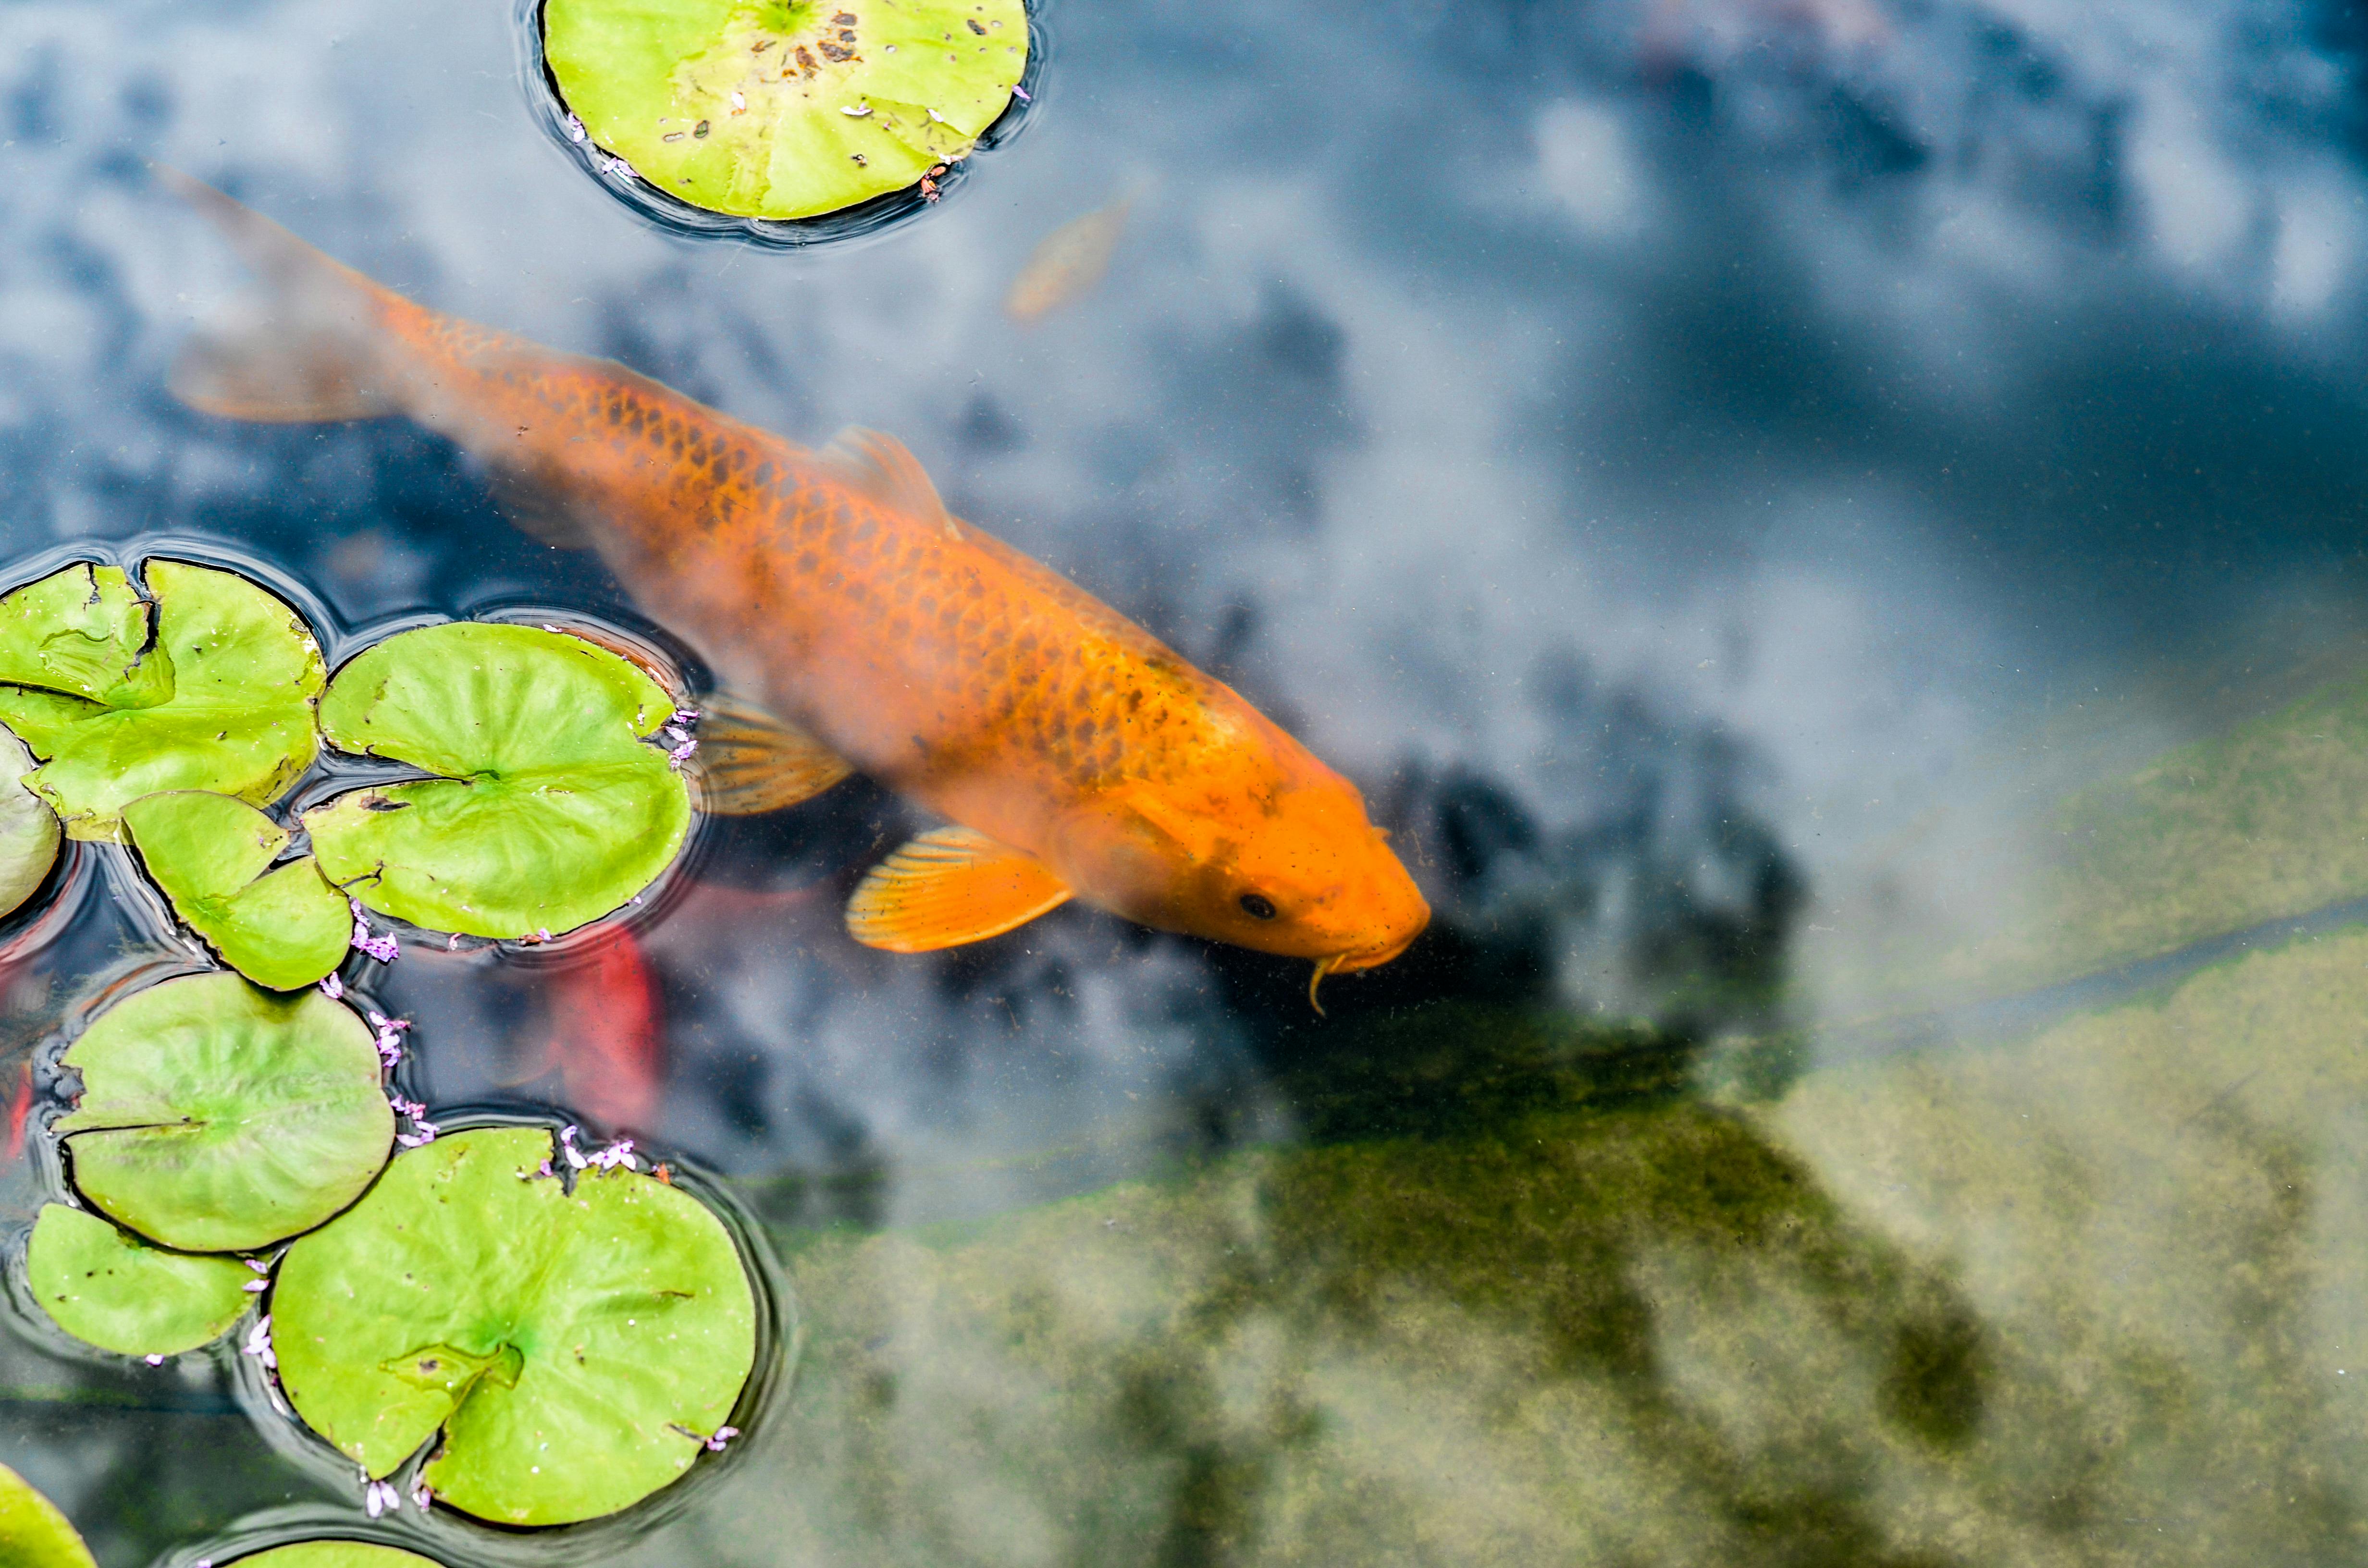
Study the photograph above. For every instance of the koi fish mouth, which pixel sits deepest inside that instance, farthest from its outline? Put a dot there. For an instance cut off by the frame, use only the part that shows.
(1348, 962)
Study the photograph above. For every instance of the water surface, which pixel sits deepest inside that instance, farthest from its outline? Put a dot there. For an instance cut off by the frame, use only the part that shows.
(1811, 522)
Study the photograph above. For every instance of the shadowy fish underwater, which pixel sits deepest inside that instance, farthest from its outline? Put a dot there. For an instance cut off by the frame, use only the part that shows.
(1074, 755)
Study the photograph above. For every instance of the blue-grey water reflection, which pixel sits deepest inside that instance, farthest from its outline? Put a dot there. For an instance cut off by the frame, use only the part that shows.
(1806, 518)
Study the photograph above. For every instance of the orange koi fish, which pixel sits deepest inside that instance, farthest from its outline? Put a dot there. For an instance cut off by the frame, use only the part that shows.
(1073, 753)
(20, 1107)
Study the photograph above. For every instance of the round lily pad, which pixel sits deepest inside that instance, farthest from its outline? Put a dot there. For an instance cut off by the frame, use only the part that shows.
(283, 929)
(552, 808)
(109, 1288)
(576, 1350)
(33, 1534)
(28, 829)
(785, 109)
(336, 1554)
(221, 699)
(219, 1118)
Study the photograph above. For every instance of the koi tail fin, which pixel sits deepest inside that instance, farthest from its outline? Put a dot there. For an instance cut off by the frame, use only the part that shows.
(313, 352)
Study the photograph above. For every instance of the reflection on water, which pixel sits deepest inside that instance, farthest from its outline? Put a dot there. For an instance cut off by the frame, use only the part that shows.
(1813, 526)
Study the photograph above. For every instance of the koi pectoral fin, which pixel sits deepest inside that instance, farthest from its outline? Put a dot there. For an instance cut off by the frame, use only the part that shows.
(751, 762)
(538, 505)
(950, 886)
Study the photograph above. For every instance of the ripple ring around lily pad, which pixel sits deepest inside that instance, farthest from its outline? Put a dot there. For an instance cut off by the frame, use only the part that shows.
(580, 1337)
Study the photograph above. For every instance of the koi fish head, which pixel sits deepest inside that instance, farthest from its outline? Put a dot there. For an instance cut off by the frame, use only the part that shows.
(1298, 870)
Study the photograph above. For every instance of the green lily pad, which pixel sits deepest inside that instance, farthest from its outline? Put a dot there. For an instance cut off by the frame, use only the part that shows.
(785, 109)
(285, 928)
(221, 700)
(552, 810)
(28, 829)
(219, 1118)
(336, 1554)
(575, 1349)
(33, 1534)
(109, 1288)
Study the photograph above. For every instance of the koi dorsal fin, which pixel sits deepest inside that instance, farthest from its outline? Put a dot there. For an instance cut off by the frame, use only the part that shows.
(877, 464)
(951, 885)
(751, 762)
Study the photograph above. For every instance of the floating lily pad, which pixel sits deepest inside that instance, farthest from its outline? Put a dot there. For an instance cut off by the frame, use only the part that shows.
(336, 1554)
(33, 1534)
(28, 829)
(109, 1288)
(551, 809)
(283, 929)
(222, 698)
(785, 109)
(219, 1118)
(575, 1349)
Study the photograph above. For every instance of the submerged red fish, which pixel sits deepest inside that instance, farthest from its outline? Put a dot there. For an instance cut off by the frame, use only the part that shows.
(607, 1034)
(1075, 756)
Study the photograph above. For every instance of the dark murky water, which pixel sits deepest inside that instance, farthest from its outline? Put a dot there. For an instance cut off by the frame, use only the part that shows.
(1832, 533)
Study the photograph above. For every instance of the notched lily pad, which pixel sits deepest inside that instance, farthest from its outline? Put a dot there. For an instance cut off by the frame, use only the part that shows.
(220, 697)
(219, 1118)
(283, 928)
(33, 1534)
(552, 810)
(109, 1288)
(786, 108)
(28, 829)
(575, 1349)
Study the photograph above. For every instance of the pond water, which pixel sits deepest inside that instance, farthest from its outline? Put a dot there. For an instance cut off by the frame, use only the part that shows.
(1831, 532)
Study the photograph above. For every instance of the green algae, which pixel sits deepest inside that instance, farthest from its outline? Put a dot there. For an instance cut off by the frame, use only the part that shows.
(2220, 834)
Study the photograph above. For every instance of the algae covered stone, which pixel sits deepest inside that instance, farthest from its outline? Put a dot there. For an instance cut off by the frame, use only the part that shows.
(551, 809)
(109, 1288)
(577, 1348)
(786, 108)
(220, 699)
(284, 928)
(216, 1116)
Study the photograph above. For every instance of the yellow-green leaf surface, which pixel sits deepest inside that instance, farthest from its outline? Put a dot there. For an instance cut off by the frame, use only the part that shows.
(109, 1288)
(221, 699)
(28, 829)
(210, 853)
(335, 1554)
(553, 809)
(33, 1534)
(216, 1116)
(791, 109)
(574, 1348)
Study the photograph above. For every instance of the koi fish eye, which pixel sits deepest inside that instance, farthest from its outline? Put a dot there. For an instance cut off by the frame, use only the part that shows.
(1257, 906)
